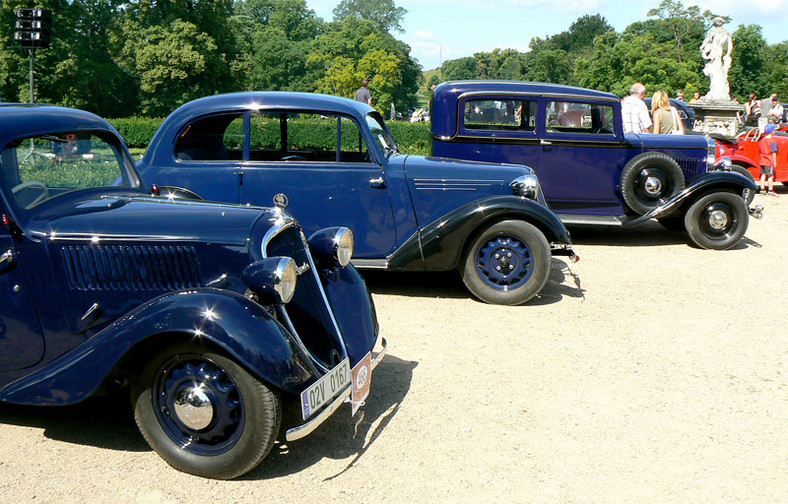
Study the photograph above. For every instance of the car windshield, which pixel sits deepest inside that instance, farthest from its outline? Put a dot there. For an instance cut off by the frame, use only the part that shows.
(36, 169)
(380, 133)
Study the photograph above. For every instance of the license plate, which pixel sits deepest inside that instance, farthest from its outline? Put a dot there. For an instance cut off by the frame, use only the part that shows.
(325, 389)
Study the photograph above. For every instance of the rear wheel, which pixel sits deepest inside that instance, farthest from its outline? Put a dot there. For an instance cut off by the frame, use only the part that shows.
(204, 414)
(508, 263)
(717, 221)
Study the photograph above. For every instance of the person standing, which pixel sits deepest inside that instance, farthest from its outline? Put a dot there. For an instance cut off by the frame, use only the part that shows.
(753, 110)
(776, 112)
(363, 94)
(666, 118)
(635, 111)
(767, 149)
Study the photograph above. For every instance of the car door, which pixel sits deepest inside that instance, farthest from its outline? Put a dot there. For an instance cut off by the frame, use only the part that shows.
(21, 338)
(582, 154)
(321, 166)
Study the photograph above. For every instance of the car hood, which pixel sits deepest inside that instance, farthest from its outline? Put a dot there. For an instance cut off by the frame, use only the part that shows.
(462, 167)
(145, 218)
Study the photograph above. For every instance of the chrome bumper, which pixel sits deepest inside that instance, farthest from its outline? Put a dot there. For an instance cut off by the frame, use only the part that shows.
(306, 429)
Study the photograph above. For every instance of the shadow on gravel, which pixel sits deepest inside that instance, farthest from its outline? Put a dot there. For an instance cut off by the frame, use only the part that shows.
(648, 234)
(339, 437)
(104, 422)
(448, 284)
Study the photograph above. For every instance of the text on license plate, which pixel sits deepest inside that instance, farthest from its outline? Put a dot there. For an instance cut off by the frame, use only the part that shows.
(325, 389)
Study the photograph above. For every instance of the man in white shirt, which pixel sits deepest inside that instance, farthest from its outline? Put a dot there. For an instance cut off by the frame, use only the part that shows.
(634, 110)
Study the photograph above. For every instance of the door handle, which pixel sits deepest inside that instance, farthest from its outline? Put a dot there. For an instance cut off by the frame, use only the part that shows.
(6, 257)
(545, 142)
(378, 183)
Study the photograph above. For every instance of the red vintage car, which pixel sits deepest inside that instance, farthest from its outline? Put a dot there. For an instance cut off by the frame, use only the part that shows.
(743, 151)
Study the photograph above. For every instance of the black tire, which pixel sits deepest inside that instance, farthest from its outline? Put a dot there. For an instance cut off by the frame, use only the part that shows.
(649, 180)
(744, 171)
(508, 263)
(673, 223)
(224, 440)
(717, 221)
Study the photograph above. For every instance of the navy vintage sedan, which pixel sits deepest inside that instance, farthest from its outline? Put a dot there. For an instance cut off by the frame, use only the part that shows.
(590, 170)
(335, 162)
(212, 316)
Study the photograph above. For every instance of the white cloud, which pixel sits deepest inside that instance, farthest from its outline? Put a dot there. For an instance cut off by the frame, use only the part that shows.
(423, 35)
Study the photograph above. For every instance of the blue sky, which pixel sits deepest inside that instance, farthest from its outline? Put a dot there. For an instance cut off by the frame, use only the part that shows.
(439, 30)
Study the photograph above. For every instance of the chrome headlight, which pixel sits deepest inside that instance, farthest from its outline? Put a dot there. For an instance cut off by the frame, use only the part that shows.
(526, 186)
(711, 153)
(273, 279)
(333, 244)
(724, 164)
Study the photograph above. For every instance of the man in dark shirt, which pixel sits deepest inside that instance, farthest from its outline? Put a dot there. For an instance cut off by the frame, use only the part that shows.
(363, 94)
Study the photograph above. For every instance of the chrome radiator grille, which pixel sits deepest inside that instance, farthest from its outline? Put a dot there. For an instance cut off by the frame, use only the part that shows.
(308, 311)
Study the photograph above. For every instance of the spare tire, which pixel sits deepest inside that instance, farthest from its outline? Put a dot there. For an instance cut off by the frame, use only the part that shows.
(649, 180)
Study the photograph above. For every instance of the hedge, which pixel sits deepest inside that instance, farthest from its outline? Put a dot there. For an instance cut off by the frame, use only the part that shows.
(412, 138)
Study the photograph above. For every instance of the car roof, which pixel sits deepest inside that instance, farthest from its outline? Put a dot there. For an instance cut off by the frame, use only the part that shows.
(22, 120)
(447, 95)
(262, 100)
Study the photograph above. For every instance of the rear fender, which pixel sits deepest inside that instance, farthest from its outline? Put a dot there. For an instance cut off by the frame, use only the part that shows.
(440, 244)
(227, 319)
(706, 183)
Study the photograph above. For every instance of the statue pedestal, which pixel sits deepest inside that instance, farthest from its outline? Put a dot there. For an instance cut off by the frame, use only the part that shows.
(716, 116)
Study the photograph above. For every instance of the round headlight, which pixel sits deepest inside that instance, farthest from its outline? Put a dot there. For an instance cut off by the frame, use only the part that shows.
(285, 278)
(526, 186)
(343, 246)
(272, 279)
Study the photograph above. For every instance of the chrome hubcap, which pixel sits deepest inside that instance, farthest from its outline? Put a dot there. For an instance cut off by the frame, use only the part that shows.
(193, 407)
(653, 185)
(718, 219)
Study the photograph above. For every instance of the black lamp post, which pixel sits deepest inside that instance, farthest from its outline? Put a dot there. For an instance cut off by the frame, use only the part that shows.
(32, 31)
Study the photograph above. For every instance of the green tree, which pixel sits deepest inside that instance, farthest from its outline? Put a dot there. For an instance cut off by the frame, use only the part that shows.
(383, 13)
(748, 73)
(685, 24)
(459, 69)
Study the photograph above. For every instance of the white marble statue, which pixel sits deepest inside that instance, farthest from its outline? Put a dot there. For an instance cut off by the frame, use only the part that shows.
(716, 51)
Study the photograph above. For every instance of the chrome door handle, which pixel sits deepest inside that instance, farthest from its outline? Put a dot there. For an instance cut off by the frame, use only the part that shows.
(545, 142)
(7, 257)
(377, 182)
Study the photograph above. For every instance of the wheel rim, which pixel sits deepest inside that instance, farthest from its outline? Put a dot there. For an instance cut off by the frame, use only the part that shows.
(504, 262)
(653, 185)
(718, 220)
(198, 405)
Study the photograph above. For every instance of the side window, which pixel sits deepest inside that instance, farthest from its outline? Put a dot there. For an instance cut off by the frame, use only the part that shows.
(575, 117)
(500, 115)
(301, 136)
(213, 138)
(39, 168)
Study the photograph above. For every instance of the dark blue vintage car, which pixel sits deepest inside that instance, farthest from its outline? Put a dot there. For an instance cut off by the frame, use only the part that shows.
(335, 162)
(212, 315)
(590, 170)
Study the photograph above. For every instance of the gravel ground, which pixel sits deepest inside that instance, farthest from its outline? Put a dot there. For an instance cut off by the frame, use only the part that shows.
(666, 382)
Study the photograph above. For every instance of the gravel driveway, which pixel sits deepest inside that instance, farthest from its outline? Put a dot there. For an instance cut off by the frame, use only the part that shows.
(667, 382)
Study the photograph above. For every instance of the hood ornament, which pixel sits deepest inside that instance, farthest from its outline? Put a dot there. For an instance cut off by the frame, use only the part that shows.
(281, 200)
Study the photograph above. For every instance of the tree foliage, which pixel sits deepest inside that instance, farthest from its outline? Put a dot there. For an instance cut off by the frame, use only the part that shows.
(385, 15)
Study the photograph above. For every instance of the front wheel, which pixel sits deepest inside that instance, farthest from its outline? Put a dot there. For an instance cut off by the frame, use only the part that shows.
(508, 263)
(204, 414)
(717, 221)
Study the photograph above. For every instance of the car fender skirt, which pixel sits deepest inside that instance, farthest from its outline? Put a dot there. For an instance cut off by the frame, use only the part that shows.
(242, 328)
(440, 244)
(708, 182)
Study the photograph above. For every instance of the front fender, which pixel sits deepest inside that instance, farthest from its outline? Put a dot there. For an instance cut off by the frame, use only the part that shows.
(241, 327)
(708, 182)
(440, 244)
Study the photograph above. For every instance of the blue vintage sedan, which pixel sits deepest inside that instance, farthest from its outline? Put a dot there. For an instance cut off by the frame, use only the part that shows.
(211, 315)
(590, 170)
(335, 163)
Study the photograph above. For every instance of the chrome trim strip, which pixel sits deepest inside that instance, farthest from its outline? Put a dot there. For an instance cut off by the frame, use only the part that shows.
(370, 263)
(591, 220)
(309, 427)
